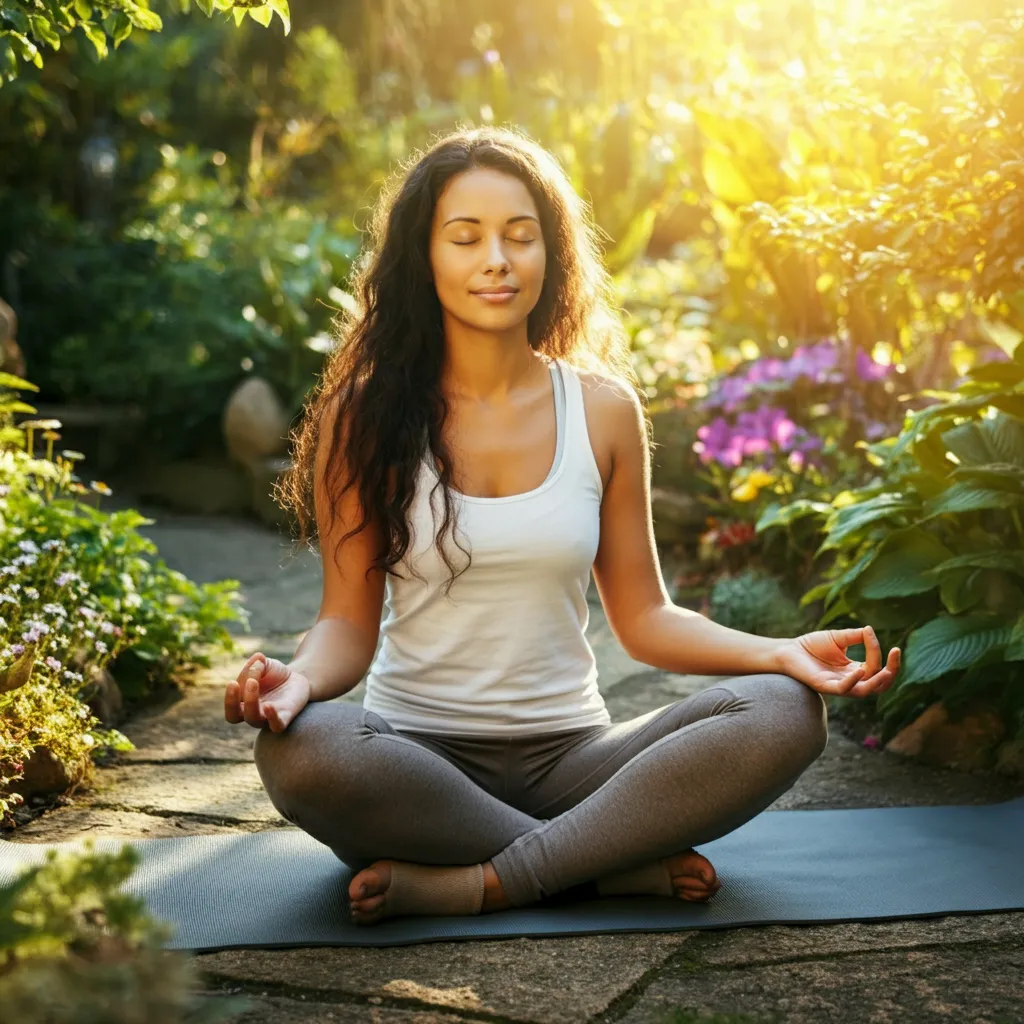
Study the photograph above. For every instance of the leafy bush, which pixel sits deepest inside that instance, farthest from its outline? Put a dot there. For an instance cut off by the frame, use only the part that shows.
(76, 950)
(193, 295)
(931, 551)
(788, 429)
(756, 602)
(81, 590)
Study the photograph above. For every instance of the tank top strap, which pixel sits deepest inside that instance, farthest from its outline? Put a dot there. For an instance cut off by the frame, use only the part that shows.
(577, 437)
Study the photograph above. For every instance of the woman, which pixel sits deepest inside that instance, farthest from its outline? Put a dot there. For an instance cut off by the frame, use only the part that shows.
(485, 385)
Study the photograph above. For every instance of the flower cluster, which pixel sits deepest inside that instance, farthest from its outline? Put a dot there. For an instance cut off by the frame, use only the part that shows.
(818, 363)
(758, 432)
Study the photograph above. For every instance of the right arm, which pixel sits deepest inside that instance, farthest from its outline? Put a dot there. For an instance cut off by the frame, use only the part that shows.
(336, 653)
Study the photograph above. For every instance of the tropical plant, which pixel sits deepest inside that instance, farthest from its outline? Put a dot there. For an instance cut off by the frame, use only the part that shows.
(931, 551)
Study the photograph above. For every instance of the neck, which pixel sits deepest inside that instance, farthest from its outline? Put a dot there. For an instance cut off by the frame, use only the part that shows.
(486, 367)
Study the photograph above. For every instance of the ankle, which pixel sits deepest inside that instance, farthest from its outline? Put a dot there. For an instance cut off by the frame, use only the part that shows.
(494, 894)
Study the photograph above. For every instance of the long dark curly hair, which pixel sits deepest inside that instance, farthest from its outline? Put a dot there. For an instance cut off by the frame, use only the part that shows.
(383, 377)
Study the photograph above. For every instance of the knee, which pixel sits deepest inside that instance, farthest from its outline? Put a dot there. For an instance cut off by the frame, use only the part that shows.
(803, 714)
(316, 753)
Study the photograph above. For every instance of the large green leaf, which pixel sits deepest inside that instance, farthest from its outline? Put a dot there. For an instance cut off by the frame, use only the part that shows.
(952, 642)
(898, 570)
(777, 514)
(997, 476)
(996, 439)
(724, 178)
(1015, 648)
(997, 558)
(850, 520)
(969, 497)
(961, 590)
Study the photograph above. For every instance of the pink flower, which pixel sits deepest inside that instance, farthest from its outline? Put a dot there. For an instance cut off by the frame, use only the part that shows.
(871, 742)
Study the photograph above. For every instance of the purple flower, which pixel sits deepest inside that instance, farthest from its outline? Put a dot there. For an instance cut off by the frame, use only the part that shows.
(52, 663)
(868, 369)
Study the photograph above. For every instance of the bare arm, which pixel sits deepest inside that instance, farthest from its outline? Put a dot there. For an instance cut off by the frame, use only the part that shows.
(650, 627)
(335, 654)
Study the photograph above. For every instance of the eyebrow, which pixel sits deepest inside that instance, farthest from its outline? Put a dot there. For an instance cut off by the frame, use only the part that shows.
(476, 220)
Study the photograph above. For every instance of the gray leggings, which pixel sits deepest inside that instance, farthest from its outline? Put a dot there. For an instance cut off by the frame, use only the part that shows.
(552, 812)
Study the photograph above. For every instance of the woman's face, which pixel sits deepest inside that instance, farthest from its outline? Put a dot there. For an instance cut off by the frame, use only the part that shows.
(485, 237)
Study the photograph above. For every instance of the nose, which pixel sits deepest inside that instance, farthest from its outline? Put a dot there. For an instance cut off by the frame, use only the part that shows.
(497, 260)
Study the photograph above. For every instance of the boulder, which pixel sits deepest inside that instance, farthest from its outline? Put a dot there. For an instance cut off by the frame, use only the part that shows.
(106, 701)
(255, 423)
(968, 744)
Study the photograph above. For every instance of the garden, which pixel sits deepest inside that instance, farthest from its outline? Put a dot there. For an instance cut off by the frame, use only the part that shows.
(814, 215)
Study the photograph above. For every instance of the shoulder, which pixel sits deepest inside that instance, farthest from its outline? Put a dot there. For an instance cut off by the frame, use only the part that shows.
(611, 402)
(615, 418)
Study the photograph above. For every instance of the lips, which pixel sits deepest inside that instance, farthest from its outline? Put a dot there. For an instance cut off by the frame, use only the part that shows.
(496, 291)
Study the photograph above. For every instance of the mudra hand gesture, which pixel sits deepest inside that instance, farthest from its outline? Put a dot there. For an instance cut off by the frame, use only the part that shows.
(266, 692)
(819, 660)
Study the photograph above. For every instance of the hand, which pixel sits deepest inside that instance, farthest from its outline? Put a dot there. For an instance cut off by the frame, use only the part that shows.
(266, 691)
(819, 660)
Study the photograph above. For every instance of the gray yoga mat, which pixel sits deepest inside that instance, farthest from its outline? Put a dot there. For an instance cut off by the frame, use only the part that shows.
(283, 889)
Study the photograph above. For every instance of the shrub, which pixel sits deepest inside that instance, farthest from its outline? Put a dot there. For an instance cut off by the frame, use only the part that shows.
(931, 551)
(756, 602)
(76, 950)
(81, 590)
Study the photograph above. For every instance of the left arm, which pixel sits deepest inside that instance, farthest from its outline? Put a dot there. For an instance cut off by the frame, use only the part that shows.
(644, 619)
(654, 630)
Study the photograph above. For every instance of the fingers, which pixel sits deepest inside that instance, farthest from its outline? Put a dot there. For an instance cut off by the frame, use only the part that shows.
(235, 692)
(880, 681)
(872, 652)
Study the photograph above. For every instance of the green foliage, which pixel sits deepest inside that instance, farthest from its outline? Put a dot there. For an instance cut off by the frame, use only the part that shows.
(932, 553)
(82, 590)
(194, 296)
(77, 950)
(28, 25)
(756, 602)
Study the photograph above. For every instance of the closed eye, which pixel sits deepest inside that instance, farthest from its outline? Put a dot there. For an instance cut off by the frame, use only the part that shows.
(521, 241)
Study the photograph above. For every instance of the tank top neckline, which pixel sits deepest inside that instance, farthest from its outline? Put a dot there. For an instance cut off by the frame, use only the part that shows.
(561, 424)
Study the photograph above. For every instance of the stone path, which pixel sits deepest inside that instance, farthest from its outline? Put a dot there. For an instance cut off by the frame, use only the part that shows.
(193, 773)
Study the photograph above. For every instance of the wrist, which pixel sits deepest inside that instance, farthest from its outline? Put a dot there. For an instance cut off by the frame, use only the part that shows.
(778, 656)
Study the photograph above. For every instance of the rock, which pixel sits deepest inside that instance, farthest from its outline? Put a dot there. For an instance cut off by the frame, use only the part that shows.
(678, 517)
(968, 744)
(207, 486)
(255, 423)
(1010, 759)
(106, 701)
(46, 774)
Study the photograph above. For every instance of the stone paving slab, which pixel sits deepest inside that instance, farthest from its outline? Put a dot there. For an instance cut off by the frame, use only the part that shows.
(548, 981)
(73, 822)
(917, 986)
(224, 791)
(767, 944)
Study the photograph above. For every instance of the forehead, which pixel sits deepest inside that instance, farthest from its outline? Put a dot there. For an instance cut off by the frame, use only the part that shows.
(484, 193)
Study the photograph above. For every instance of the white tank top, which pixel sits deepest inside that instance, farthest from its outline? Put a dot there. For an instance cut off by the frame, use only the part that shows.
(505, 654)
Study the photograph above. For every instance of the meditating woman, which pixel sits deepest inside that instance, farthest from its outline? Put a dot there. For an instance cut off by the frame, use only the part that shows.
(476, 445)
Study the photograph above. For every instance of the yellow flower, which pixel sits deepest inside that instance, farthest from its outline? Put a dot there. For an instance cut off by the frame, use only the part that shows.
(760, 478)
(745, 492)
(101, 487)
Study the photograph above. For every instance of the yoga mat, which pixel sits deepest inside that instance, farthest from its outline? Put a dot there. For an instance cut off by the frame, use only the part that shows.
(282, 888)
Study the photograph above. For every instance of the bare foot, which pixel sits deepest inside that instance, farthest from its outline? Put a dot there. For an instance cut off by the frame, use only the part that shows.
(369, 909)
(693, 876)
